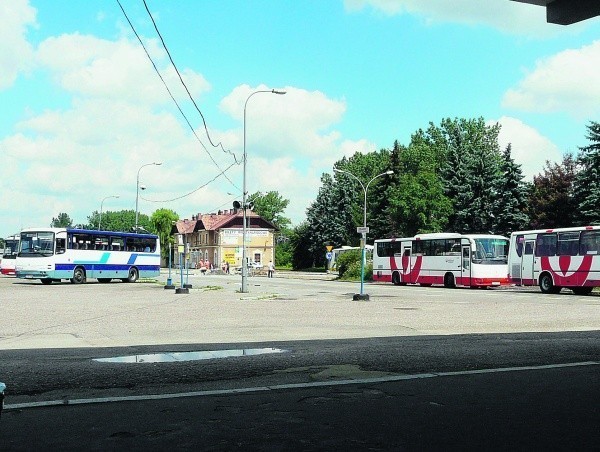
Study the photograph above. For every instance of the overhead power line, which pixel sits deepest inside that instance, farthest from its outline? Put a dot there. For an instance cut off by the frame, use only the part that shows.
(222, 172)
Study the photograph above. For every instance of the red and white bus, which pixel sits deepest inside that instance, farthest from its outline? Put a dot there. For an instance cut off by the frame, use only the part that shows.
(9, 255)
(556, 258)
(473, 260)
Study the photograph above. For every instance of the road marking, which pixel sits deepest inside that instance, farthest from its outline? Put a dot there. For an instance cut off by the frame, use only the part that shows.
(316, 384)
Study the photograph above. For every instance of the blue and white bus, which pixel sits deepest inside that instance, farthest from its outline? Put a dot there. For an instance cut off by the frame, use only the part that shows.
(52, 254)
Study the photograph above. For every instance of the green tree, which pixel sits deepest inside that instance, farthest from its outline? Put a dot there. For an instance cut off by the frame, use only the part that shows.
(551, 203)
(416, 202)
(472, 172)
(61, 221)
(123, 221)
(271, 206)
(586, 186)
(162, 220)
(513, 194)
(300, 242)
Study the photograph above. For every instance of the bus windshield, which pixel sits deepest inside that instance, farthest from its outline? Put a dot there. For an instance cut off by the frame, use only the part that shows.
(491, 251)
(10, 249)
(34, 244)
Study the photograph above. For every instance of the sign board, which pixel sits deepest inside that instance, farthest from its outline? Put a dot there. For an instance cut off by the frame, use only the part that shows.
(329, 247)
(362, 229)
(329, 255)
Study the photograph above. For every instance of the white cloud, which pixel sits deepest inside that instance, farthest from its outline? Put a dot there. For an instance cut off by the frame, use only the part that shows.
(89, 66)
(567, 81)
(504, 15)
(529, 148)
(290, 141)
(15, 51)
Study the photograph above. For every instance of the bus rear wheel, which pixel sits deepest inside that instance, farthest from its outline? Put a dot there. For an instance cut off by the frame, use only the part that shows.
(546, 284)
(449, 281)
(396, 278)
(78, 276)
(132, 276)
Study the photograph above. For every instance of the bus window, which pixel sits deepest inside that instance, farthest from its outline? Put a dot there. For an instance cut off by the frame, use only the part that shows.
(519, 240)
(61, 244)
(590, 242)
(545, 245)
(568, 243)
(528, 248)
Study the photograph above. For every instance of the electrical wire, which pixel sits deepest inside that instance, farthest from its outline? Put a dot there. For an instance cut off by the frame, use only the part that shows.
(193, 191)
(222, 172)
(219, 144)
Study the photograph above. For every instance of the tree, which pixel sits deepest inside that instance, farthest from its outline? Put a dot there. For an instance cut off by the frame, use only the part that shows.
(586, 186)
(61, 221)
(512, 197)
(300, 243)
(472, 172)
(123, 221)
(162, 221)
(416, 201)
(551, 203)
(270, 207)
(328, 218)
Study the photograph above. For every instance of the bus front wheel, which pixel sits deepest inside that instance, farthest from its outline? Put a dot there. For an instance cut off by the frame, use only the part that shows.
(546, 284)
(78, 276)
(133, 275)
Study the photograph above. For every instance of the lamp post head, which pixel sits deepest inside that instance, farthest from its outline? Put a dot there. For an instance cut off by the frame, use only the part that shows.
(389, 172)
(278, 91)
(142, 187)
(158, 163)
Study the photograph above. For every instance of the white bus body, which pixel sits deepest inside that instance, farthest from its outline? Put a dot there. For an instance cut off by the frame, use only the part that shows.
(556, 258)
(473, 260)
(52, 254)
(9, 255)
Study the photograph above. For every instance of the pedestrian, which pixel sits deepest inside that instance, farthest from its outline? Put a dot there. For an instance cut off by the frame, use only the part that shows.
(271, 269)
(227, 267)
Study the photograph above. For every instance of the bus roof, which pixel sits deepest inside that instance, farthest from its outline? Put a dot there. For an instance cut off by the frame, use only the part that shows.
(91, 231)
(549, 230)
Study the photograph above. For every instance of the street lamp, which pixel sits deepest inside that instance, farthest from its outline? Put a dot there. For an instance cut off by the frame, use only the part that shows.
(245, 193)
(102, 202)
(362, 295)
(137, 191)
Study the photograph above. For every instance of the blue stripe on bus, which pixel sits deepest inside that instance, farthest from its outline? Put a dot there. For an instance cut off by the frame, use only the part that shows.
(94, 266)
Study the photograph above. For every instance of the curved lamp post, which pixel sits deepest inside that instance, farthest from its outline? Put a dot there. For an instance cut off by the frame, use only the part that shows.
(137, 191)
(245, 192)
(102, 202)
(362, 295)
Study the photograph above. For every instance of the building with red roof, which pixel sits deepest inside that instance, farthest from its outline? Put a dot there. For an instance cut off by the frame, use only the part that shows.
(217, 238)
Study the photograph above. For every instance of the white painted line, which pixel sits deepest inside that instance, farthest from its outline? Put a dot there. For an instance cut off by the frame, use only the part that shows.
(316, 384)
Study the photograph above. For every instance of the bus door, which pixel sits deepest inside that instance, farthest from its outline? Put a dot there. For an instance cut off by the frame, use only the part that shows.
(466, 265)
(527, 264)
(407, 263)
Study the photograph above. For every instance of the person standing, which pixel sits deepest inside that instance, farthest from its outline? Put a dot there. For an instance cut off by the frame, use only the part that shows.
(271, 269)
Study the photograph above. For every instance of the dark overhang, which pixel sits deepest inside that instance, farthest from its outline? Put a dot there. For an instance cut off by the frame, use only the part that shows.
(566, 12)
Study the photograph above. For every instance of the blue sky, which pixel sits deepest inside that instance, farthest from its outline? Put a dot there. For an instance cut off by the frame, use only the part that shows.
(83, 109)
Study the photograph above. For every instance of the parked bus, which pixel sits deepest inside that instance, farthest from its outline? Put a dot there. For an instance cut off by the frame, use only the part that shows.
(9, 255)
(52, 254)
(448, 259)
(556, 258)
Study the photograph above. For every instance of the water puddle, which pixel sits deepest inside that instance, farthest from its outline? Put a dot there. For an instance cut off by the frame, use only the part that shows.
(171, 357)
